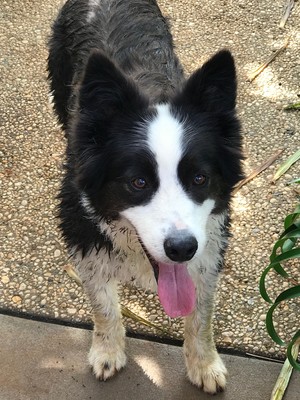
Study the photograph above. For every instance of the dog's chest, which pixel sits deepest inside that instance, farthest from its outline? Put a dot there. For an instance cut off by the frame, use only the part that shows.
(127, 262)
(129, 257)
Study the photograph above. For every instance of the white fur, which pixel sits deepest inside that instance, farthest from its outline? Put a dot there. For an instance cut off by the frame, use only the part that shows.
(93, 5)
(170, 207)
(107, 354)
(86, 204)
(204, 366)
(127, 263)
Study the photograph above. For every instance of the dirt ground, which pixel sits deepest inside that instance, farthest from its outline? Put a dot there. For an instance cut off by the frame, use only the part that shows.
(32, 255)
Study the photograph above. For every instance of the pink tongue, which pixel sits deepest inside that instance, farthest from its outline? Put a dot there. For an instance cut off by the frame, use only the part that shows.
(176, 290)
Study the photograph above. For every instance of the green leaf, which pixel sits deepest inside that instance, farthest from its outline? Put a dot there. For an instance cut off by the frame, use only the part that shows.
(289, 220)
(283, 379)
(293, 350)
(286, 295)
(279, 269)
(288, 255)
(262, 285)
(262, 282)
(288, 245)
(285, 243)
(294, 181)
(290, 293)
(286, 165)
(293, 226)
(270, 326)
(293, 106)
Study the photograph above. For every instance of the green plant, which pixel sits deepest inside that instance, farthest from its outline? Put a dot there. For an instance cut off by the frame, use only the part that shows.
(286, 248)
(294, 106)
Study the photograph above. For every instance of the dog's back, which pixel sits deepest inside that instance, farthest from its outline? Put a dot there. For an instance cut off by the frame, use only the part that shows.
(133, 34)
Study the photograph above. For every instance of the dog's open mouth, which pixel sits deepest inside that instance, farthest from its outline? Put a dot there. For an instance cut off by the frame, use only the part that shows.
(176, 290)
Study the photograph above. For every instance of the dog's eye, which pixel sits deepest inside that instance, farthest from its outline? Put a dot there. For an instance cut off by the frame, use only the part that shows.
(139, 183)
(199, 180)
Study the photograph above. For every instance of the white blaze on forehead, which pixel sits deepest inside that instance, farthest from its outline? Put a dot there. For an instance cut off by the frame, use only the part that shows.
(170, 208)
(92, 6)
(165, 137)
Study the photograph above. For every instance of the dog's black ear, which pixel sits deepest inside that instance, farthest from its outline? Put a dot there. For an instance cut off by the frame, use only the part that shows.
(105, 94)
(212, 88)
(105, 90)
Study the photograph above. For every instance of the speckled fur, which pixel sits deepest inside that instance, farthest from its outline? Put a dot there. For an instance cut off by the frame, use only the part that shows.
(101, 271)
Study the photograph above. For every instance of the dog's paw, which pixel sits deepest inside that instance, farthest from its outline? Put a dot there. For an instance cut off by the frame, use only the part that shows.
(106, 363)
(210, 376)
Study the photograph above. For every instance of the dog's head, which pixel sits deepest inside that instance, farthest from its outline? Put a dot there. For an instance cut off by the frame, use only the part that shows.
(166, 168)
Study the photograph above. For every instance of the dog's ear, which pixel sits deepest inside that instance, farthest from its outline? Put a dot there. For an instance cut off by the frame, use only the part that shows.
(104, 94)
(212, 88)
(105, 90)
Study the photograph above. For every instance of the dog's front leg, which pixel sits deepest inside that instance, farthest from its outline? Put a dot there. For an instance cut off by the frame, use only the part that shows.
(204, 365)
(107, 354)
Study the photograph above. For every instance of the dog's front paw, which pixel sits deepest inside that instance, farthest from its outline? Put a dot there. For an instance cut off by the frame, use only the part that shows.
(106, 362)
(209, 375)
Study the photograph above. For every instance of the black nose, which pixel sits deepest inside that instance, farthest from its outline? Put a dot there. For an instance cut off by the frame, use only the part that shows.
(181, 247)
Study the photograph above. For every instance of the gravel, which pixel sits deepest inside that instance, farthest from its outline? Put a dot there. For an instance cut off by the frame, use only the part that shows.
(32, 255)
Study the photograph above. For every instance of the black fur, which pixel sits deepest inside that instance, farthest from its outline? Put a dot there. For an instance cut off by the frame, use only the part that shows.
(105, 77)
(213, 140)
(133, 33)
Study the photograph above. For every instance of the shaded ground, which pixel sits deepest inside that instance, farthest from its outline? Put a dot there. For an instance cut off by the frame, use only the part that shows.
(60, 371)
(32, 256)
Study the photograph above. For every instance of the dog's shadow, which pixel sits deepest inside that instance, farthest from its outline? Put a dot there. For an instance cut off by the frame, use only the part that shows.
(153, 371)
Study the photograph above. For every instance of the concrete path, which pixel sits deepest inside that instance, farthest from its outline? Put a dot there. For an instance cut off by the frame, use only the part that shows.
(46, 361)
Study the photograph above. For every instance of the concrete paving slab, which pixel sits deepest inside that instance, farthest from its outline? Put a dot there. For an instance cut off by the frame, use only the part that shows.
(45, 361)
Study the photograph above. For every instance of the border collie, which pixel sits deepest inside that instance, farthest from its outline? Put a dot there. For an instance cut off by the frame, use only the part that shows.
(151, 161)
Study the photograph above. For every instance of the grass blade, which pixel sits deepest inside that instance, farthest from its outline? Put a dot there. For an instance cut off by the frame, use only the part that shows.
(288, 294)
(270, 325)
(288, 238)
(125, 311)
(293, 351)
(262, 282)
(130, 314)
(286, 165)
(286, 243)
(258, 170)
(288, 255)
(73, 274)
(292, 218)
(262, 285)
(278, 268)
(285, 375)
(294, 181)
(286, 13)
(293, 106)
(264, 65)
(289, 243)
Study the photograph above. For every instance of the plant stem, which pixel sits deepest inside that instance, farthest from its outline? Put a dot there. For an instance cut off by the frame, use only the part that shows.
(264, 65)
(284, 376)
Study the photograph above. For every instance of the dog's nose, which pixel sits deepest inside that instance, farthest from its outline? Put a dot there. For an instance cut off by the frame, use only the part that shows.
(181, 246)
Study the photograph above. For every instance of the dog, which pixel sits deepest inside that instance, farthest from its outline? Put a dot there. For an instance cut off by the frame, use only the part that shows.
(152, 158)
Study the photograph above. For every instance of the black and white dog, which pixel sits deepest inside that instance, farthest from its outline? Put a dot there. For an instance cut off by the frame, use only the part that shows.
(151, 162)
